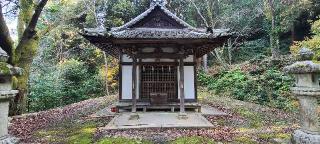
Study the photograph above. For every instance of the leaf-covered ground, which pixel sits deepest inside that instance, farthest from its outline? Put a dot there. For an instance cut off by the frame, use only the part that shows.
(245, 123)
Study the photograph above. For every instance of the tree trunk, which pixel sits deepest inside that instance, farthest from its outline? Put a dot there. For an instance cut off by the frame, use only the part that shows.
(220, 60)
(26, 50)
(293, 33)
(205, 63)
(230, 51)
(274, 34)
(274, 41)
(6, 42)
(24, 62)
(106, 73)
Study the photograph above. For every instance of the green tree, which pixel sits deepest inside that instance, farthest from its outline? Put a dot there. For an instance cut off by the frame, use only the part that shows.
(281, 16)
(311, 43)
(68, 68)
(22, 54)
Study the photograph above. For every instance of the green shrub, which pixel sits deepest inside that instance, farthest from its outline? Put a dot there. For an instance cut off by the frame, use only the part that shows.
(251, 49)
(271, 87)
(68, 83)
(121, 140)
(45, 91)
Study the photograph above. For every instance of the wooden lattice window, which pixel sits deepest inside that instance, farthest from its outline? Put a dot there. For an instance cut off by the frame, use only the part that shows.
(159, 79)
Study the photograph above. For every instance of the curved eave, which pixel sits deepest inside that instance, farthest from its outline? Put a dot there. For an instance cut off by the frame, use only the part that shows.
(112, 45)
(154, 39)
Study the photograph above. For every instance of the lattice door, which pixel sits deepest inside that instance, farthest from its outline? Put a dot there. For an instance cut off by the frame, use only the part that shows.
(159, 79)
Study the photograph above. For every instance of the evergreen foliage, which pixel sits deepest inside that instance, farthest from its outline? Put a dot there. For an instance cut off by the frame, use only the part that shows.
(271, 87)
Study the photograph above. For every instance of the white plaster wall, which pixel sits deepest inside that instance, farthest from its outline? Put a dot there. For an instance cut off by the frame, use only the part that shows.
(127, 83)
(148, 60)
(148, 49)
(168, 49)
(126, 58)
(189, 59)
(189, 86)
(154, 60)
(166, 60)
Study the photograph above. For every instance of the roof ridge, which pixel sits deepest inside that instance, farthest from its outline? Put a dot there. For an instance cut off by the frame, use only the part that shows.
(147, 12)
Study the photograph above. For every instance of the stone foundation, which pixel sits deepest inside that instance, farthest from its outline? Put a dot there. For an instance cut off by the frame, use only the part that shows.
(8, 140)
(300, 137)
(4, 106)
(5, 97)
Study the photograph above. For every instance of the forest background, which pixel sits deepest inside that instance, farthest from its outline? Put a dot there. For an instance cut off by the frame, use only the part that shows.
(61, 67)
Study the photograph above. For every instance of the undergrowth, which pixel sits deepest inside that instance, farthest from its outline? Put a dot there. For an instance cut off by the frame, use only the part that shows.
(269, 88)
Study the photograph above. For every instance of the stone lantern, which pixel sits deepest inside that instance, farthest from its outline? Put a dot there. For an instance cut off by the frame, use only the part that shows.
(307, 90)
(6, 93)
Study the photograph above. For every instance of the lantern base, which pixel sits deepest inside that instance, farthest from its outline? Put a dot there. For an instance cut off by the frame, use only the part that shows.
(8, 140)
(300, 137)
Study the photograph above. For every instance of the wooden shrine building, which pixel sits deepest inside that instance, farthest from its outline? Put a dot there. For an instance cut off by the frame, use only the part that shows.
(157, 53)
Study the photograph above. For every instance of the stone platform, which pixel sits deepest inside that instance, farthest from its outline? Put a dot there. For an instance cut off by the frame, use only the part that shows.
(8, 140)
(158, 120)
(147, 106)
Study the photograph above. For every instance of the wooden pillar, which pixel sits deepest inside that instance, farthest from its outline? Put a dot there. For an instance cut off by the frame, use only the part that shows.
(181, 86)
(134, 83)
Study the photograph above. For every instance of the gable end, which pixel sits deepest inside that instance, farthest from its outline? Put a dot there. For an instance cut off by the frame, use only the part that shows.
(158, 19)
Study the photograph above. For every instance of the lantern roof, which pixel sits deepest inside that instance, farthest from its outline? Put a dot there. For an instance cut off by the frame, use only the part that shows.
(3, 55)
(304, 65)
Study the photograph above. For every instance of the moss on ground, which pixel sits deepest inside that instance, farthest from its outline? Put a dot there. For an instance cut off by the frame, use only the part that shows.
(268, 136)
(255, 119)
(193, 140)
(81, 133)
(84, 135)
(244, 140)
(261, 124)
(252, 126)
(122, 140)
(73, 133)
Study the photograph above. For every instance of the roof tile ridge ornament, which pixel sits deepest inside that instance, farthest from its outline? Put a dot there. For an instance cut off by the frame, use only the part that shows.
(161, 3)
(154, 4)
(3, 55)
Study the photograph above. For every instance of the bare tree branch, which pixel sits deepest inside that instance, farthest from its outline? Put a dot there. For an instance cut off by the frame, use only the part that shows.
(5, 39)
(92, 8)
(30, 31)
(209, 13)
(199, 12)
(9, 6)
